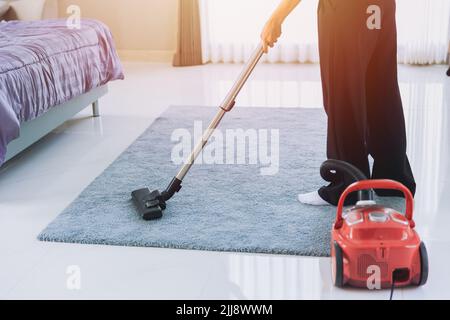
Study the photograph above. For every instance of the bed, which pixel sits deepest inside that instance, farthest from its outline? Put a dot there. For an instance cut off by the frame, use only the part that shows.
(49, 73)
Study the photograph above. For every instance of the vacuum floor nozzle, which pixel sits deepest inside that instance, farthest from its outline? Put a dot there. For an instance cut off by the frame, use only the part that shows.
(149, 204)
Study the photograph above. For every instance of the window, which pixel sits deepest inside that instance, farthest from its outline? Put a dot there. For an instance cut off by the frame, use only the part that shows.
(231, 28)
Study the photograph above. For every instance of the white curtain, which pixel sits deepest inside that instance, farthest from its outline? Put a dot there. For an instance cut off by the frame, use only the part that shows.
(231, 28)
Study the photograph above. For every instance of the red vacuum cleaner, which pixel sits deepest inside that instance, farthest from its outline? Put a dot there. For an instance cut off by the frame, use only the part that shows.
(370, 239)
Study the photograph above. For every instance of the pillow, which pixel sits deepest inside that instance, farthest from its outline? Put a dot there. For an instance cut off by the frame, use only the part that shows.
(4, 7)
(27, 9)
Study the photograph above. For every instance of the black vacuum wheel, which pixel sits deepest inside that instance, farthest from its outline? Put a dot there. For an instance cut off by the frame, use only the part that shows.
(423, 264)
(337, 265)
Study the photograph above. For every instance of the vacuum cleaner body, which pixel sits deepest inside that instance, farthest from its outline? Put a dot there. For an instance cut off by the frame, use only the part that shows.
(374, 246)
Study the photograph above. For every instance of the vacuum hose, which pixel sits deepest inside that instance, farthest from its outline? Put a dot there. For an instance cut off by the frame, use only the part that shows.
(331, 168)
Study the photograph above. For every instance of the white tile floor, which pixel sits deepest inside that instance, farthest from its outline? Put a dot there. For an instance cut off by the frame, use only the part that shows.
(36, 186)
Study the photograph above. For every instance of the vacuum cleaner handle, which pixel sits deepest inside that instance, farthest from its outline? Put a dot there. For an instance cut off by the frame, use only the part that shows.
(376, 184)
(226, 106)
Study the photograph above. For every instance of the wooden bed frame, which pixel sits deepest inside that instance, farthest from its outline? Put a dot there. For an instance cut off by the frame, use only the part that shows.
(34, 130)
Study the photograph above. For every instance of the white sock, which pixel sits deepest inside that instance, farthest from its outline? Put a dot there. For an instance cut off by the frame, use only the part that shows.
(313, 199)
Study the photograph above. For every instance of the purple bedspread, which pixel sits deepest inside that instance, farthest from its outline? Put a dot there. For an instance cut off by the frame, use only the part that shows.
(44, 64)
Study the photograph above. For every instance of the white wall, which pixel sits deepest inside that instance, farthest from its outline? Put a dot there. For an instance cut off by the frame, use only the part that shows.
(50, 9)
(142, 28)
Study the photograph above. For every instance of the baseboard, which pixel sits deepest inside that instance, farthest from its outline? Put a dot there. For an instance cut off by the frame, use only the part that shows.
(161, 56)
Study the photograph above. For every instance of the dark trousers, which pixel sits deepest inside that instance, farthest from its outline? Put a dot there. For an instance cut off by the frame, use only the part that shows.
(361, 93)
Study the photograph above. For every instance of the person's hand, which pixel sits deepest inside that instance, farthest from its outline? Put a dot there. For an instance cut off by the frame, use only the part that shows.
(270, 33)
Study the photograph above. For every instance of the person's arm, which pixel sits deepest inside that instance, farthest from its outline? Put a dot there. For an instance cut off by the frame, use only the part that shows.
(272, 29)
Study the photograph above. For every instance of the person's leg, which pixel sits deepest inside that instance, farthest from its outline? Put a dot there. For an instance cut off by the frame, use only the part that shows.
(345, 48)
(386, 122)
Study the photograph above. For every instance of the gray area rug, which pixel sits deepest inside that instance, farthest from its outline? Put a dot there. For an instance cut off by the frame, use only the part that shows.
(221, 207)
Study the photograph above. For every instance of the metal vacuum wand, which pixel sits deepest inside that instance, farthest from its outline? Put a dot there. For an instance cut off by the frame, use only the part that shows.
(226, 106)
(151, 204)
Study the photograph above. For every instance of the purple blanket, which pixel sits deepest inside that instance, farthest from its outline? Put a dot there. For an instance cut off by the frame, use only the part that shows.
(44, 64)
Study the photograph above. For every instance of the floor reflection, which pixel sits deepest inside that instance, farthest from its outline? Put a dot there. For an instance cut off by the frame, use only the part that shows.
(272, 277)
(247, 276)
